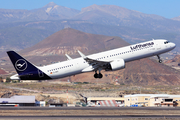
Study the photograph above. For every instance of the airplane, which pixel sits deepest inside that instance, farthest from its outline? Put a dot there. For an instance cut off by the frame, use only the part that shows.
(110, 60)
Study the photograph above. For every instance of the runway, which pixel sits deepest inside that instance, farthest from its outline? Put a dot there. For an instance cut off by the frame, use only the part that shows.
(90, 108)
(87, 112)
(87, 117)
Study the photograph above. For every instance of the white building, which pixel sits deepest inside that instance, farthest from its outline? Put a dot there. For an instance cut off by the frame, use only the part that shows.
(152, 100)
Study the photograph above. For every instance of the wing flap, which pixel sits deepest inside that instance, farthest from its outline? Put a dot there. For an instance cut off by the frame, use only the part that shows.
(91, 61)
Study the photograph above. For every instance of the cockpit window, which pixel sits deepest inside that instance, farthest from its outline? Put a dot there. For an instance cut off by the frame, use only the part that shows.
(166, 42)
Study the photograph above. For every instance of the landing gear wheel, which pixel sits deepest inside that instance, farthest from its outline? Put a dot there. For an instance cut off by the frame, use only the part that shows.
(160, 61)
(96, 75)
(100, 75)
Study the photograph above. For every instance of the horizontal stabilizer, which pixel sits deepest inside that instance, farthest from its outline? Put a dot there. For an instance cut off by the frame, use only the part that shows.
(15, 77)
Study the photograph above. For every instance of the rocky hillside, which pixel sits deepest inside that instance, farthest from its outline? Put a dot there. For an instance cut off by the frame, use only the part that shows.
(2, 72)
(68, 41)
(140, 72)
(175, 62)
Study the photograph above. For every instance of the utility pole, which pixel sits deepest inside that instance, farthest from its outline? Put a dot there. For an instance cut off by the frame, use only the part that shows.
(140, 89)
(67, 97)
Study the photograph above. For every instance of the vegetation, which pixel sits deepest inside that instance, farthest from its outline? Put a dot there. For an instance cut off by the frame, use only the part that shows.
(8, 80)
(107, 89)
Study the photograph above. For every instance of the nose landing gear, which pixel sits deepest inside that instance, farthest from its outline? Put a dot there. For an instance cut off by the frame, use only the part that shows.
(160, 61)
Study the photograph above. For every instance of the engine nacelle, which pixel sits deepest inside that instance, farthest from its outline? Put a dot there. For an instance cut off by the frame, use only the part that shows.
(117, 64)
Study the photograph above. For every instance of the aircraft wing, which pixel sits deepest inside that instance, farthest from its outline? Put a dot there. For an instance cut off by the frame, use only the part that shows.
(92, 61)
(94, 64)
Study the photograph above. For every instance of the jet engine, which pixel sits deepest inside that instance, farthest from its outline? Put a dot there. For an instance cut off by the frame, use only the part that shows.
(116, 64)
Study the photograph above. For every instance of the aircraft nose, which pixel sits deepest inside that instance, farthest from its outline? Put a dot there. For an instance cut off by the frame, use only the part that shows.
(173, 45)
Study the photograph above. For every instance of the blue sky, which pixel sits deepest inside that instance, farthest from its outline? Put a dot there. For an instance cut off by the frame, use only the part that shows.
(165, 8)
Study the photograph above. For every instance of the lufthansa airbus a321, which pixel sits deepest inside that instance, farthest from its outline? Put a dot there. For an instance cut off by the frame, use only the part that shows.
(109, 61)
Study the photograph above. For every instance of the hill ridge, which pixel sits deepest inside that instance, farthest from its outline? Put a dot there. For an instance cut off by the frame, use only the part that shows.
(68, 41)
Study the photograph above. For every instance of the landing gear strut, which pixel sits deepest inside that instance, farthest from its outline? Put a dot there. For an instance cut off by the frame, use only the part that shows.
(160, 61)
(96, 75)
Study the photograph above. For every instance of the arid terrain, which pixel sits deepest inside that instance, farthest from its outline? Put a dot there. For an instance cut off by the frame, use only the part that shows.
(55, 90)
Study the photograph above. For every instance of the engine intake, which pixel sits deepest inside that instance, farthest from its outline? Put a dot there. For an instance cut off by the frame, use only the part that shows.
(117, 64)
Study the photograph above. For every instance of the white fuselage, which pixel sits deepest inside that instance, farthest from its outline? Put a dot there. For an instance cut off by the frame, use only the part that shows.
(128, 53)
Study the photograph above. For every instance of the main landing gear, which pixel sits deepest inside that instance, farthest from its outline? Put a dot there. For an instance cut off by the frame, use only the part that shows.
(160, 61)
(98, 75)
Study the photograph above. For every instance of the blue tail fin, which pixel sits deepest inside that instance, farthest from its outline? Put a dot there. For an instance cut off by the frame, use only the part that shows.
(25, 69)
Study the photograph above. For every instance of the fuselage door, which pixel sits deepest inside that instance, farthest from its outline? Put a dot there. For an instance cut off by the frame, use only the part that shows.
(158, 46)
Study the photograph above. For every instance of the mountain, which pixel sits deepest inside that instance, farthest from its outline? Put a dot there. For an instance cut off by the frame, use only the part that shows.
(68, 41)
(50, 11)
(26, 34)
(99, 14)
(119, 16)
(21, 29)
(26, 37)
(118, 12)
(18, 38)
(176, 18)
(140, 72)
(53, 10)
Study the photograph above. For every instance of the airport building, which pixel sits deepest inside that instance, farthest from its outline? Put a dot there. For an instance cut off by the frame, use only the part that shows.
(18, 101)
(136, 100)
(105, 101)
(152, 100)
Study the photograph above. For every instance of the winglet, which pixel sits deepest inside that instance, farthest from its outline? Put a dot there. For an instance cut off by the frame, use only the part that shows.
(81, 54)
(69, 58)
